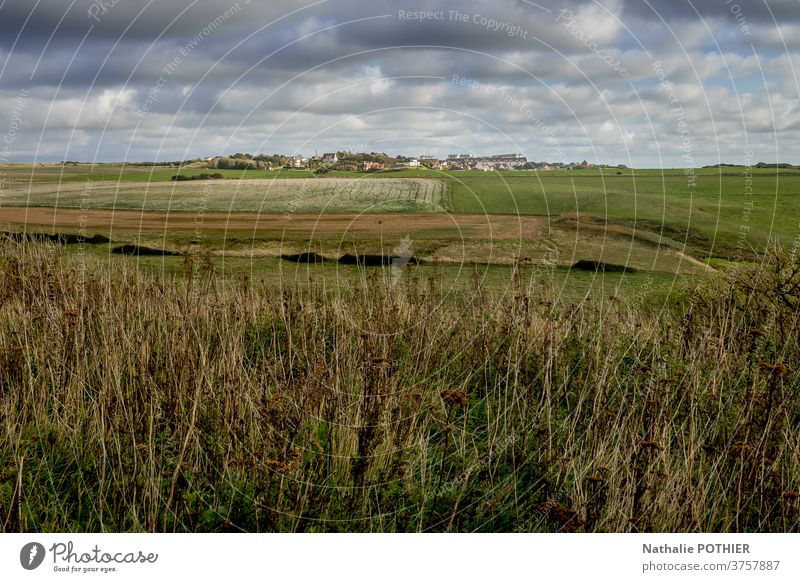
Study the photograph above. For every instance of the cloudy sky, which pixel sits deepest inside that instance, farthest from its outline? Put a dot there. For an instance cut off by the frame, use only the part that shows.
(647, 83)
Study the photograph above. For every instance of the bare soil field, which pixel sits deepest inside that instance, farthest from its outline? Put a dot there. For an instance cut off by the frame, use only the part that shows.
(108, 222)
(447, 237)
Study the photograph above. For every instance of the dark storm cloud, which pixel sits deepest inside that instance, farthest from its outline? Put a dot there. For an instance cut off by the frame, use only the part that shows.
(141, 20)
(769, 11)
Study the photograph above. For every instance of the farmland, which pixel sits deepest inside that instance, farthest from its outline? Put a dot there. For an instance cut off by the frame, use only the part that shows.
(712, 212)
(218, 357)
(463, 226)
(257, 195)
(652, 220)
(717, 206)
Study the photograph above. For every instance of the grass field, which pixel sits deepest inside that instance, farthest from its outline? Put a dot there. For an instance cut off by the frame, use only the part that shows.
(716, 212)
(717, 207)
(660, 221)
(455, 239)
(453, 278)
(138, 402)
(215, 384)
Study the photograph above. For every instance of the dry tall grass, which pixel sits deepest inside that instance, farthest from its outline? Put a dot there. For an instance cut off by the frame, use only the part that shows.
(132, 403)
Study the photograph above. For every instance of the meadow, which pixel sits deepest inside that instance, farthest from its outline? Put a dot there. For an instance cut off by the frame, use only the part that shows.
(589, 351)
(135, 401)
(652, 220)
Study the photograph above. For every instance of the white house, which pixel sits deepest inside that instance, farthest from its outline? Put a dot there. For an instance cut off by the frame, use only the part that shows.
(297, 162)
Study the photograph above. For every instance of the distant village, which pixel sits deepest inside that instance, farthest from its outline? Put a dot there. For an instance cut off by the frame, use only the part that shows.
(379, 162)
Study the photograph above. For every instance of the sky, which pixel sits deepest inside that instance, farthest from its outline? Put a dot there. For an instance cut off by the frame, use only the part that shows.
(646, 83)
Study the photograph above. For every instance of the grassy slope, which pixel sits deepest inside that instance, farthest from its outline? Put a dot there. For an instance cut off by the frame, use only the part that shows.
(567, 285)
(716, 207)
(133, 403)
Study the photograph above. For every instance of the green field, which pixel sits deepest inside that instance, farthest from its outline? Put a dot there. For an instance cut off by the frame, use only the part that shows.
(454, 279)
(714, 204)
(568, 352)
(664, 221)
(716, 207)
